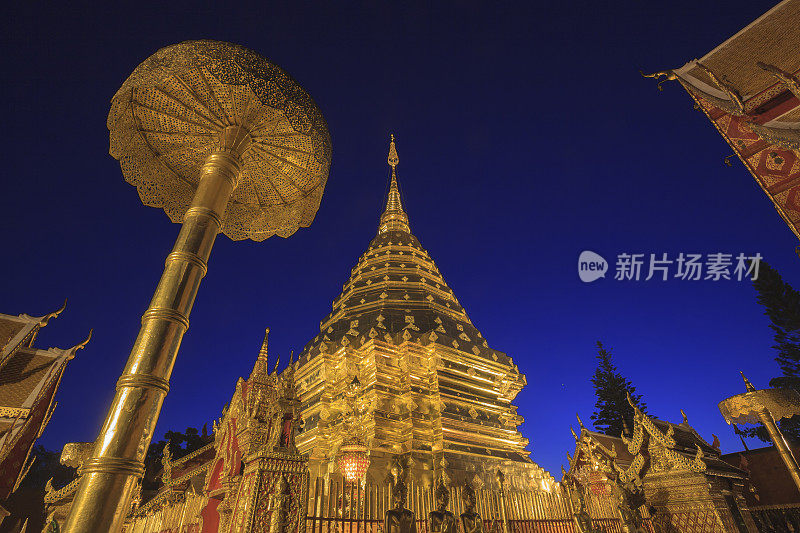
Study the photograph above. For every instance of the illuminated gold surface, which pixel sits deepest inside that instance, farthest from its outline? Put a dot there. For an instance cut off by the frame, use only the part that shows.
(662, 471)
(766, 406)
(199, 128)
(734, 85)
(254, 467)
(433, 388)
(172, 112)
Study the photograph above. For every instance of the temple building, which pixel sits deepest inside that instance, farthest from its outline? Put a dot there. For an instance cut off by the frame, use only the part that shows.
(748, 87)
(397, 379)
(29, 380)
(664, 472)
(430, 387)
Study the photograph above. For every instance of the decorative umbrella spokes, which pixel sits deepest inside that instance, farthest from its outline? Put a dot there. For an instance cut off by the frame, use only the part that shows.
(171, 114)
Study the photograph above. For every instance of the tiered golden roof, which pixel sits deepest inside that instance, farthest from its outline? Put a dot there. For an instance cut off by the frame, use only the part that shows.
(435, 387)
(29, 379)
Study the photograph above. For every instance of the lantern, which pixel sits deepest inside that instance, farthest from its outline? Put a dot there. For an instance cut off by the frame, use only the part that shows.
(353, 460)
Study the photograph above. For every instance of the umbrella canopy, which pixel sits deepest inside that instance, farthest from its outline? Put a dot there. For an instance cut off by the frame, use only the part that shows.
(173, 111)
(744, 408)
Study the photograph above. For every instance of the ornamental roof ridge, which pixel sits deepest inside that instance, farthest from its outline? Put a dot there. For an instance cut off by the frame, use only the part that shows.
(18, 331)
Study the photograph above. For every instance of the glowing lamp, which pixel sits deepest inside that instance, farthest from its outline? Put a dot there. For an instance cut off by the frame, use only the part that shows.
(353, 460)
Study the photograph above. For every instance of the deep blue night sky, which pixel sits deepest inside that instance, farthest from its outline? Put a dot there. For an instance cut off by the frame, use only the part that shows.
(525, 136)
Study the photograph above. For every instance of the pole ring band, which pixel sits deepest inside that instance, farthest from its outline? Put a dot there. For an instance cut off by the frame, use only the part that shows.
(188, 257)
(166, 313)
(148, 381)
(113, 465)
(226, 162)
(204, 211)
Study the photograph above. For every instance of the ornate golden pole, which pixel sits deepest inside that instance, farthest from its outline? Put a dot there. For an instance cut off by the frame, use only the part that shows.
(780, 444)
(192, 123)
(777, 438)
(110, 475)
(765, 406)
(501, 478)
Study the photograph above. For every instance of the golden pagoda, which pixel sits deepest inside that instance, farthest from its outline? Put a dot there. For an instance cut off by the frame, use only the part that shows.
(431, 389)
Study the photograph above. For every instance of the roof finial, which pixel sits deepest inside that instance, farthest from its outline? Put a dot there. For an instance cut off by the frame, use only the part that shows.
(393, 218)
(749, 386)
(393, 159)
(262, 352)
(46, 318)
(79, 346)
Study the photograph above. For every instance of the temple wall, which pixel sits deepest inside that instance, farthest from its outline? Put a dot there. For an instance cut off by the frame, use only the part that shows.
(687, 501)
(434, 403)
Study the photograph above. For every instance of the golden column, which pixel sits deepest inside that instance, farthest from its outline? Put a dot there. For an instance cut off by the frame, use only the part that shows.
(766, 406)
(224, 141)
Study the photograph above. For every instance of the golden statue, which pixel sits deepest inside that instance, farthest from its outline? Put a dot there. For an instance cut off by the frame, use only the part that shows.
(278, 504)
(441, 520)
(399, 519)
(471, 521)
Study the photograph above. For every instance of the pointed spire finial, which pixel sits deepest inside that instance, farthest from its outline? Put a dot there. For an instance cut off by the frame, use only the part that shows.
(749, 386)
(262, 352)
(392, 159)
(393, 217)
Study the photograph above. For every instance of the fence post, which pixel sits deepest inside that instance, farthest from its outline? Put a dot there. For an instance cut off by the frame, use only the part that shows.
(501, 497)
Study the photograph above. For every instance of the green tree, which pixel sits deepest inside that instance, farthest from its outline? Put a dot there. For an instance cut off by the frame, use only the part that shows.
(782, 305)
(180, 444)
(612, 410)
(47, 465)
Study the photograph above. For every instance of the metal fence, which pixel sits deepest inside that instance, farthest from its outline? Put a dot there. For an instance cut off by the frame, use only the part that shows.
(777, 518)
(353, 508)
(181, 515)
(338, 507)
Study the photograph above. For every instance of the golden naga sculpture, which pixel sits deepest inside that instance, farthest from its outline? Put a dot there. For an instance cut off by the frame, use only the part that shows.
(224, 141)
(727, 87)
(788, 79)
(668, 76)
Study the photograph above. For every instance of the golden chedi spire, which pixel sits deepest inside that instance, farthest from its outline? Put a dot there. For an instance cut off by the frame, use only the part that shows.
(431, 385)
(393, 217)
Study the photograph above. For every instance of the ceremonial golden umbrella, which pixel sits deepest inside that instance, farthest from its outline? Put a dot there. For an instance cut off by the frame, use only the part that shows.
(223, 141)
(766, 406)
